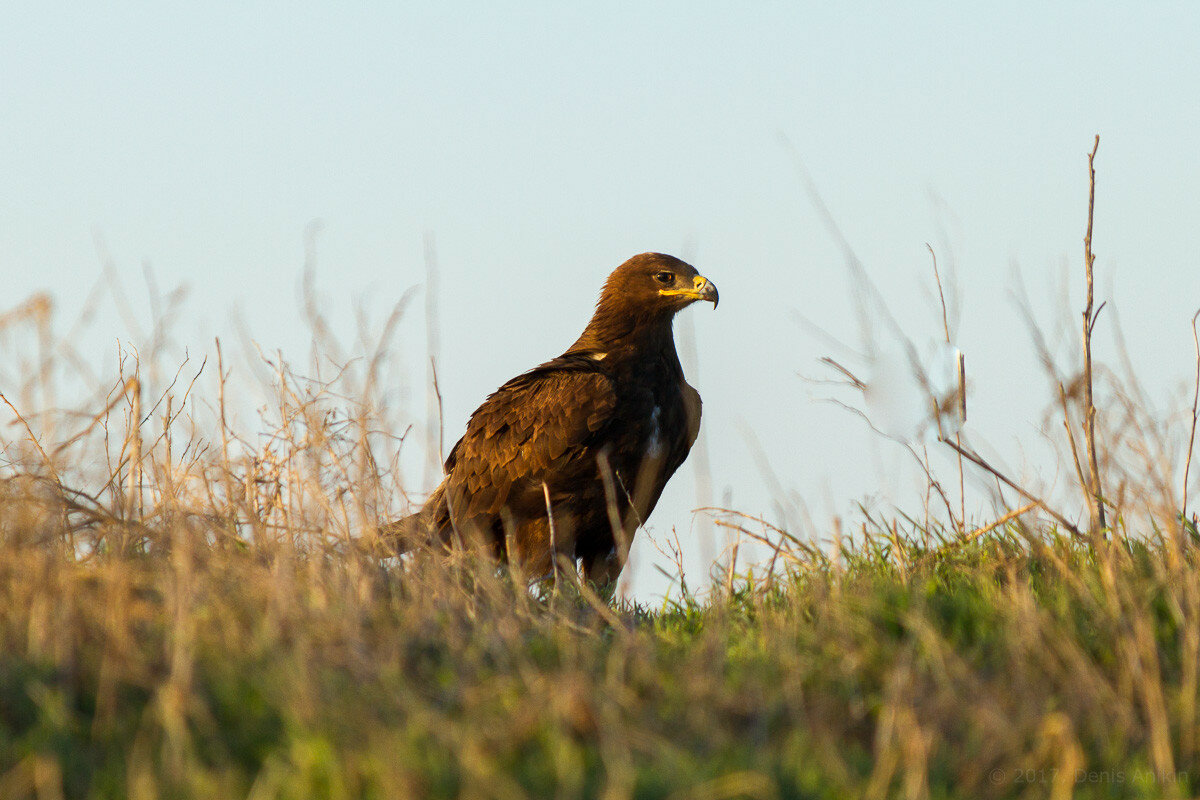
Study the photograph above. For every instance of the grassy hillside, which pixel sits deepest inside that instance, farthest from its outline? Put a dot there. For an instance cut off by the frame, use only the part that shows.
(196, 612)
(196, 664)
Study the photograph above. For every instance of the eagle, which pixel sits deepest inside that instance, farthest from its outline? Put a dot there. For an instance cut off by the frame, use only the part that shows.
(565, 461)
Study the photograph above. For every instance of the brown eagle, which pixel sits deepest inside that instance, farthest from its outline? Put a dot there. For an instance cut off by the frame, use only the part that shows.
(569, 458)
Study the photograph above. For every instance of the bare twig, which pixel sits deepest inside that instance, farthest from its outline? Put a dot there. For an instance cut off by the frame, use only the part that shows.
(610, 502)
(1009, 517)
(1187, 464)
(931, 481)
(941, 295)
(962, 397)
(854, 380)
(553, 534)
(1095, 492)
(133, 509)
(32, 438)
(1062, 399)
(433, 395)
(95, 420)
(731, 570)
(980, 462)
(437, 391)
(962, 387)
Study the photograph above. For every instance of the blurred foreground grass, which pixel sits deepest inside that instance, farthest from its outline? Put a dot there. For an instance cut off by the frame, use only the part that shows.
(197, 665)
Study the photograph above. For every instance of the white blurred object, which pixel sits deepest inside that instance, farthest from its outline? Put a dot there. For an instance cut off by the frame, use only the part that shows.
(906, 400)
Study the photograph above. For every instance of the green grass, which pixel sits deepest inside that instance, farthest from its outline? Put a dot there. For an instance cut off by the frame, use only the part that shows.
(998, 668)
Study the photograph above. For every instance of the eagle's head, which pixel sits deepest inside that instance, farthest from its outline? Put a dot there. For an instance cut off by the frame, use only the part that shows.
(657, 284)
(639, 300)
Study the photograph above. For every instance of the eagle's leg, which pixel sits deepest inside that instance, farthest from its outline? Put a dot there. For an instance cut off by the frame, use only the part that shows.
(602, 570)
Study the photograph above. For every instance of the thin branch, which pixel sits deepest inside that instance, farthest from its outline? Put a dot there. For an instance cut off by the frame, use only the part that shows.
(1187, 464)
(962, 396)
(979, 461)
(962, 387)
(1009, 517)
(930, 479)
(1095, 492)
(854, 380)
(32, 438)
(1066, 409)
(437, 391)
(941, 296)
(1096, 316)
(553, 534)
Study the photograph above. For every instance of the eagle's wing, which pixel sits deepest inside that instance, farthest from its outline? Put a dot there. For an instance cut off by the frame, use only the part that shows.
(539, 427)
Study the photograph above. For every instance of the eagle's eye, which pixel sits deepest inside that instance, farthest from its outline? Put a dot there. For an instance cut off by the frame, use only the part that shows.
(664, 278)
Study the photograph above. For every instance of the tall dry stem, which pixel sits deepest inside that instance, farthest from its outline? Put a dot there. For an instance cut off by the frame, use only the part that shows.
(962, 398)
(1095, 491)
(1187, 464)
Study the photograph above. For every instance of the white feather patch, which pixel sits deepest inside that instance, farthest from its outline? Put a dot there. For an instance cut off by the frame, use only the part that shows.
(654, 446)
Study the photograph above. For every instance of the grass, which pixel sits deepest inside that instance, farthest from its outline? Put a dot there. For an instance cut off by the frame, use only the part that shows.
(213, 669)
(203, 621)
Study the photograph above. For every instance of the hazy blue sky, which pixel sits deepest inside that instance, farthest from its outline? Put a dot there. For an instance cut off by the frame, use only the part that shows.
(541, 144)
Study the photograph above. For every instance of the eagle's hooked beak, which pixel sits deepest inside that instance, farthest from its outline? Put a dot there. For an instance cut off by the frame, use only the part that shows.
(702, 289)
(707, 290)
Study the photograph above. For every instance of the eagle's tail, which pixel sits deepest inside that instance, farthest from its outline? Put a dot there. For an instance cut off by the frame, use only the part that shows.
(424, 527)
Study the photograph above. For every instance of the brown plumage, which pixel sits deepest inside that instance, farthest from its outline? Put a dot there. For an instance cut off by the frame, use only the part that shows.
(570, 457)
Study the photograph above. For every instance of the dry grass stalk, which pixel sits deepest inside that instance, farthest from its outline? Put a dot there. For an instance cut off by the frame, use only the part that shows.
(1187, 461)
(1094, 488)
(962, 397)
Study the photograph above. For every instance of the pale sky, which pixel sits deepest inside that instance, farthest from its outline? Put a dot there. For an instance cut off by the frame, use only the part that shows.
(542, 144)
